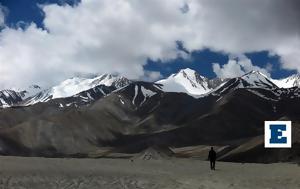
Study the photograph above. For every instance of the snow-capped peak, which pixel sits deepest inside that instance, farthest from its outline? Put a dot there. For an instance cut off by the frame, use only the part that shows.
(110, 80)
(187, 81)
(187, 72)
(256, 79)
(253, 79)
(75, 85)
(255, 72)
(289, 82)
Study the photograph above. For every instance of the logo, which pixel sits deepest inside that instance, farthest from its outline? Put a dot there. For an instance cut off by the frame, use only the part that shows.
(278, 134)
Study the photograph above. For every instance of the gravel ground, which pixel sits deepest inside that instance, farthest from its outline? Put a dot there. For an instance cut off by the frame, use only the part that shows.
(46, 173)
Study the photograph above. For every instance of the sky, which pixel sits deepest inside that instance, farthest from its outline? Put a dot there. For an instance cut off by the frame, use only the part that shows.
(47, 41)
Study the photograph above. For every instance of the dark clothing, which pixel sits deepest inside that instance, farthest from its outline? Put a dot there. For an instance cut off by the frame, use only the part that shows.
(212, 165)
(212, 156)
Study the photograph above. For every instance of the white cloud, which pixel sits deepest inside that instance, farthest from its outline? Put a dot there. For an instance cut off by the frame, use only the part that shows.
(269, 67)
(95, 36)
(152, 76)
(238, 67)
(229, 70)
(119, 36)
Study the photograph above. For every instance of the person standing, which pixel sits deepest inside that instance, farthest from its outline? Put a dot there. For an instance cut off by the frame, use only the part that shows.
(212, 156)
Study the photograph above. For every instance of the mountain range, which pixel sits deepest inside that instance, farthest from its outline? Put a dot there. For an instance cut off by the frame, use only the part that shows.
(81, 116)
(185, 81)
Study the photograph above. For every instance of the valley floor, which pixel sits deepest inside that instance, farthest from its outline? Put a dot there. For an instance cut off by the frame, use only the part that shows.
(44, 173)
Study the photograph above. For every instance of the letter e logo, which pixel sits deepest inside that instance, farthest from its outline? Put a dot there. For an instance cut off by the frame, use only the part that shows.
(278, 134)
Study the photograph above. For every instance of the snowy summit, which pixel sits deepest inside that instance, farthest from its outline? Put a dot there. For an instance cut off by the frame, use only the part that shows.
(186, 81)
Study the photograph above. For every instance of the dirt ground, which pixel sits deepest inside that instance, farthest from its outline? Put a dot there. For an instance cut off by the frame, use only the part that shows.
(45, 173)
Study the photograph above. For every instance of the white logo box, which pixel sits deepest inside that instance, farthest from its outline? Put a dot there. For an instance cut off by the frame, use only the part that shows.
(287, 133)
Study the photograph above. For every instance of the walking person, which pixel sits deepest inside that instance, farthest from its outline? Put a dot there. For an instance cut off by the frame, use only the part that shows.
(212, 156)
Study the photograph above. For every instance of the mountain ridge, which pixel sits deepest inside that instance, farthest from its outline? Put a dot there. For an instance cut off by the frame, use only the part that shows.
(186, 81)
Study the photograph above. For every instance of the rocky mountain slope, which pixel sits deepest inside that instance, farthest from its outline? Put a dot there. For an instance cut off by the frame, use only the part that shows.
(9, 98)
(141, 115)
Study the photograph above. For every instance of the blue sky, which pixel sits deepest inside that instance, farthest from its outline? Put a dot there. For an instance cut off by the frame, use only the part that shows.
(23, 12)
(202, 60)
(28, 11)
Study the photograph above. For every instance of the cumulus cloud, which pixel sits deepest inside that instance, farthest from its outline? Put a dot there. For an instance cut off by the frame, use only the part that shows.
(119, 36)
(237, 67)
(95, 36)
(229, 70)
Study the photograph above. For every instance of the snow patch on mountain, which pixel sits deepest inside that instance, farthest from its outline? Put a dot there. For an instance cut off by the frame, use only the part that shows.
(30, 91)
(3, 103)
(136, 90)
(261, 95)
(147, 94)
